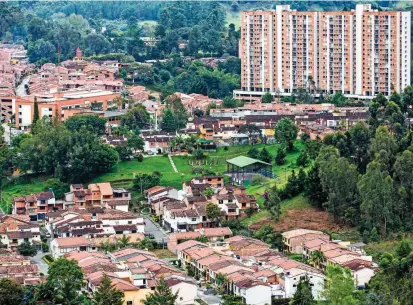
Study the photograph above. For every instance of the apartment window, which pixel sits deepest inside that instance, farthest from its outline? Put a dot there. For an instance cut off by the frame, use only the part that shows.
(129, 303)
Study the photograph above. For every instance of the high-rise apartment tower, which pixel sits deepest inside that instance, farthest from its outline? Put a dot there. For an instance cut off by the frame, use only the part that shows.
(360, 52)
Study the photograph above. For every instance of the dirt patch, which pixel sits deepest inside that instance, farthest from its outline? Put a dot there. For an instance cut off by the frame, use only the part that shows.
(301, 218)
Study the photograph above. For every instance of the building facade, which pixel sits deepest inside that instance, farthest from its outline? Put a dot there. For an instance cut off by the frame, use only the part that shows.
(359, 53)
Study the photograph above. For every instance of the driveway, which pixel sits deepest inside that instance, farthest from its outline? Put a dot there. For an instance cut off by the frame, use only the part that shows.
(209, 299)
(154, 228)
(37, 259)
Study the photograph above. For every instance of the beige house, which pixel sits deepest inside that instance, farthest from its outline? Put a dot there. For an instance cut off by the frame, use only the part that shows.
(295, 239)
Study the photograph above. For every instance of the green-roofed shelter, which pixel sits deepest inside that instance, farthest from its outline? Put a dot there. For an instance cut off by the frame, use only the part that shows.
(242, 169)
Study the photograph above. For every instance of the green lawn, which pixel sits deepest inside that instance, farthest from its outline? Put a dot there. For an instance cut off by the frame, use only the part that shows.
(20, 189)
(122, 175)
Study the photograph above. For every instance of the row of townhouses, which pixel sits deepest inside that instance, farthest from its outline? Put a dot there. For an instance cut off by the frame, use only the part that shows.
(36, 206)
(185, 210)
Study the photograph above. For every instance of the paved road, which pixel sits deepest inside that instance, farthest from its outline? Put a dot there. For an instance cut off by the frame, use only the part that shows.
(38, 260)
(209, 299)
(158, 233)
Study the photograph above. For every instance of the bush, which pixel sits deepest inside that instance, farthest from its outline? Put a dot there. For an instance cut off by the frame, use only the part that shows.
(258, 180)
(139, 158)
(280, 157)
(45, 247)
(225, 148)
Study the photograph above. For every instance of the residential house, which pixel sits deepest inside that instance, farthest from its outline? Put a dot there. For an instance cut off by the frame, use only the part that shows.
(61, 246)
(17, 229)
(295, 239)
(36, 205)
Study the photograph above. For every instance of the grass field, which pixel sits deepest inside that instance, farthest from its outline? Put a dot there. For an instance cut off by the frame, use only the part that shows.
(122, 175)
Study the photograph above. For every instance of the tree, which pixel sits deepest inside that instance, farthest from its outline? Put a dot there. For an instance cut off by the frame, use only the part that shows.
(286, 133)
(58, 187)
(146, 243)
(267, 98)
(272, 202)
(208, 192)
(145, 181)
(339, 180)
(254, 153)
(303, 159)
(124, 241)
(403, 183)
(280, 156)
(359, 145)
(303, 294)
(162, 295)
(93, 123)
(67, 280)
(169, 122)
(384, 142)
(135, 143)
(202, 239)
(213, 212)
(231, 299)
(265, 156)
(124, 152)
(11, 293)
(339, 286)
(35, 111)
(107, 294)
(316, 258)
(135, 117)
(179, 111)
(403, 249)
(230, 102)
(27, 249)
(252, 131)
(313, 188)
(338, 99)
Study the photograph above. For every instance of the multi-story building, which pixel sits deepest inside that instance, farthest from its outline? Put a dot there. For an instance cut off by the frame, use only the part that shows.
(359, 53)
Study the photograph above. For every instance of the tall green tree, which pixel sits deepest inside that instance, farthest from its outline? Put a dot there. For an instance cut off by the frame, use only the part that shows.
(11, 293)
(403, 183)
(303, 294)
(286, 133)
(107, 293)
(272, 202)
(213, 212)
(67, 280)
(162, 295)
(339, 286)
(267, 98)
(135, 117)
(359, 138)
(265, 156)
(339, 180)
(36, 116)
(376, 190)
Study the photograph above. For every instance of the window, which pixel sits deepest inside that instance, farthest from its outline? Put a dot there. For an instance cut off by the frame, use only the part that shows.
(129, 303)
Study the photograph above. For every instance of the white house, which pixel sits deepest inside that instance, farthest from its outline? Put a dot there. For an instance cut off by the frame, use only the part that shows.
(182, 220)
(293, 276)
(187, 290)
(60, 246)
(253, 292)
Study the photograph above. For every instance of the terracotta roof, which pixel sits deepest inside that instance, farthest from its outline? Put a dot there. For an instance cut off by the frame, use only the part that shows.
(300, 232)
(19, 234)
(44, 195)
(217, 232)
(21, 269)
(70, 242)
(105, 189)
(117, 202)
